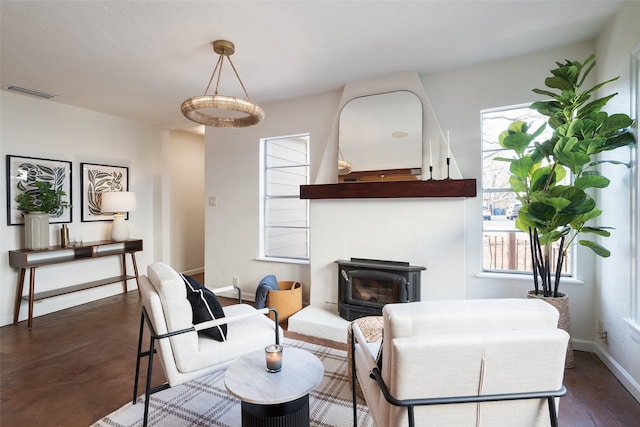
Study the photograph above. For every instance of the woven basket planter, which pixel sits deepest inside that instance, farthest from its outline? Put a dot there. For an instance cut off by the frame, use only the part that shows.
(287, 300)
(561, 304)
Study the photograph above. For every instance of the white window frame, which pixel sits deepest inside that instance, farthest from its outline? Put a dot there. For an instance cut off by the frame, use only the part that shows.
(635, 199)
(264, 198)
(571, 267)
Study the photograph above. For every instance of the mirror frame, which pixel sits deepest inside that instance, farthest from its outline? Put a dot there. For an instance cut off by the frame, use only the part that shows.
(381, 137)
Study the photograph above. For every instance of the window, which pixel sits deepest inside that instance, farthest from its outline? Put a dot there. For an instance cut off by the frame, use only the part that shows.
(505, 248)
(284, 216)
(635, 199)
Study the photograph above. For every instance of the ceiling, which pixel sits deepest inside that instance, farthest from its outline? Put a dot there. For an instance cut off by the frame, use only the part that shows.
(141, 59)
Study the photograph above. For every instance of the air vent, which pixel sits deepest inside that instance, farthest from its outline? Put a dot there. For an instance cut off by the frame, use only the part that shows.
(32, 92)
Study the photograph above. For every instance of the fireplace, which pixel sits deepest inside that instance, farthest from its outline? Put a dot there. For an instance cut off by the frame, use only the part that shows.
(366, 285)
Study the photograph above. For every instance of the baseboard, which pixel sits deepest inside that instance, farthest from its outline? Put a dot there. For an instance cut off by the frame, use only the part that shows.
(583, 345)
(234, 295)
(194, 271)
(618, 371)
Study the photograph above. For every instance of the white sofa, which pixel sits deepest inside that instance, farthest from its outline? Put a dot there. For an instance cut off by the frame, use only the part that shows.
(467, 348)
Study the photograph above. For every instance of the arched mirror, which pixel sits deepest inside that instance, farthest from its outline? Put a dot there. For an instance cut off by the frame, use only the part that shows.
(380, 138)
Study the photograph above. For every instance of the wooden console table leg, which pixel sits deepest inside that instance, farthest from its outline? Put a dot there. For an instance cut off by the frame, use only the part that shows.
(32, 287)
(135, 270)
(19, 288)
(124, 271)
(23, 260)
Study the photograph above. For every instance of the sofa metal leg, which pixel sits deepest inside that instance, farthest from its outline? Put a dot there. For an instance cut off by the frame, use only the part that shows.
(552, 411)
(353, 380)
(135, 383)
(147, 392)
(275, 321)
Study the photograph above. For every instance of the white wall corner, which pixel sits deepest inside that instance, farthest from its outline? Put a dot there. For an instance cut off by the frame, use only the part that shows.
(618, 371)
(587, 346)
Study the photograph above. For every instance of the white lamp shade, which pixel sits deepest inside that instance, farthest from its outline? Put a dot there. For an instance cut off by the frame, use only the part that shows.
(118, 201)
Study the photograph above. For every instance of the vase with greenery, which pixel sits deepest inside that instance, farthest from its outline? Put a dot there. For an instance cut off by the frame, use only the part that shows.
(37, 205)
(555, 179)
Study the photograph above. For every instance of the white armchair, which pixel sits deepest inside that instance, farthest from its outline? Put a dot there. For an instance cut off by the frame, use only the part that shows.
(493, 362)
(183, 354)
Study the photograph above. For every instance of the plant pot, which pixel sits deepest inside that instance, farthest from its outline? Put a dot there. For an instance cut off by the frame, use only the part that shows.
(36, 230)
(561, 304)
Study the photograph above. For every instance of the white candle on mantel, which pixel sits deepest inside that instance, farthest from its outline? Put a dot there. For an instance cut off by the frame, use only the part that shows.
(430, 154)
(448, 144)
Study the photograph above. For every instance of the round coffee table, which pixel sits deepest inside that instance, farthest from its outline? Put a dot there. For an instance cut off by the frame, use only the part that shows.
(274, 399)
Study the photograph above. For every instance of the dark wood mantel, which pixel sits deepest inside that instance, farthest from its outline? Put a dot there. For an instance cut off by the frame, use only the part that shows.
(390, 189)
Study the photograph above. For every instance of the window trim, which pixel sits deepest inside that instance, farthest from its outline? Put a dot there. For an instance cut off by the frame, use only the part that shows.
(572, 275)
(635, 199)
(262, 206)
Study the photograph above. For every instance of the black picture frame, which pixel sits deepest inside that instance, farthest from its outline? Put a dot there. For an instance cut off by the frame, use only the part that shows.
(23, 172)
(96, 179)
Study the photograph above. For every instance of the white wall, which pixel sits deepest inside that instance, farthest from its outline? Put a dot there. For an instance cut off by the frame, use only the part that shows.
(39, 128)
(442, 235)
(603, 292)
(339, 229)
(458, 96)
(232, 176)
(166, 170)
(444, 239)
(186, 201)
(423, 232)
(614, 285)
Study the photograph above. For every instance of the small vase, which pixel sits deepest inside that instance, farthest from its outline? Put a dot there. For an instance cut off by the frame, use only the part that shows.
(36, 231)
(561, 304)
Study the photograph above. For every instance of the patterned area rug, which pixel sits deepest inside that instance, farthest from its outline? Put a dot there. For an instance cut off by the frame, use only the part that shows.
(206, 402)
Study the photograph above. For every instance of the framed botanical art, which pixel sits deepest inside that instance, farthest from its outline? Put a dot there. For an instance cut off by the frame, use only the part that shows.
(22, 174)
(97, 179)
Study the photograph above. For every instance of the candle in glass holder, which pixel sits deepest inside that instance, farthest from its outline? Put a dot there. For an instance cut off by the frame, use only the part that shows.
(273, 355)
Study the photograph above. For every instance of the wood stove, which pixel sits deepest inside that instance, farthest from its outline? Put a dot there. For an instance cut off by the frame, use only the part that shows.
(366, 285)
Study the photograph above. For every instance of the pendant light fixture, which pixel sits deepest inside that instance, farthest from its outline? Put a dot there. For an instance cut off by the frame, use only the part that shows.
(206, 109)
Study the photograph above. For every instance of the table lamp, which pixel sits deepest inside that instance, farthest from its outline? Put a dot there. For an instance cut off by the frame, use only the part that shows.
(118, 202)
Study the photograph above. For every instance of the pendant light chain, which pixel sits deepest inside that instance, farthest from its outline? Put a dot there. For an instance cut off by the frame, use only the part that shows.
(239, 79)
(218, 64)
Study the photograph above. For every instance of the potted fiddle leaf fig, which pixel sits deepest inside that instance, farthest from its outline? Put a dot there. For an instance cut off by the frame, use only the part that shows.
(554, 179)
(37, 204)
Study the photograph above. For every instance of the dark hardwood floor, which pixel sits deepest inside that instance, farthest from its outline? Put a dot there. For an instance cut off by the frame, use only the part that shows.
(77, 365)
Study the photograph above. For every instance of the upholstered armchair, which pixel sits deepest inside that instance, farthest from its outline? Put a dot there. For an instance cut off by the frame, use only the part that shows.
(496, 362)
(184, 353)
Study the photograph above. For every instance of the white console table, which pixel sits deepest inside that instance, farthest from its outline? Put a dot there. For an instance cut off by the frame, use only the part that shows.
(32, 259)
